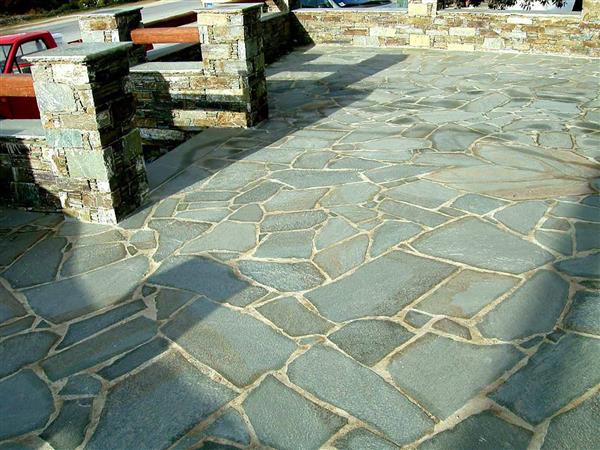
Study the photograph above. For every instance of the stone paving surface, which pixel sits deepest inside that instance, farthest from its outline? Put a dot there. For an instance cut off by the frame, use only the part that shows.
(406, 255)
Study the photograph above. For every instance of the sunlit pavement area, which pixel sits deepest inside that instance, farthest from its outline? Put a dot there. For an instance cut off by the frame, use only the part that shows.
(405, 254)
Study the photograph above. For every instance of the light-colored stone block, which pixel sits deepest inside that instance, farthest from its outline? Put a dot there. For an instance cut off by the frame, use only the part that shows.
(519, 20)
(462, 31)
(493, 43)
(419, 40)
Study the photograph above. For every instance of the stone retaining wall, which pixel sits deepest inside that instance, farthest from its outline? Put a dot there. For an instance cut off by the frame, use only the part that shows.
(575, 34)
(277, 29)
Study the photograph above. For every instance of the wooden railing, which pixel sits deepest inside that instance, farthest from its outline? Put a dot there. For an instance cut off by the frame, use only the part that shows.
(167, 35)
(16, 85)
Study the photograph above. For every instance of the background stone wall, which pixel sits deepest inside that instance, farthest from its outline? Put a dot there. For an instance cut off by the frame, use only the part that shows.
(451, 30)
(277, 32)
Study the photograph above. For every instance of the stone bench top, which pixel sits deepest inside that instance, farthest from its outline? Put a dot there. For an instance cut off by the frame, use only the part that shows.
(168, 66)
(22, 128)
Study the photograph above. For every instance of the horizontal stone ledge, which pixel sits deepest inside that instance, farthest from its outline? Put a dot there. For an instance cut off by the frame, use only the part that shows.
(230, 8)
(179, 66)
(87, 51)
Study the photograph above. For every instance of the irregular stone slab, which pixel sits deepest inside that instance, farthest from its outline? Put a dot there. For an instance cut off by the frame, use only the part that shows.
(17, 326)
(334, 230)
(247, 296)
(584, 315)
(9, 306)
(200, 275)
(99, 348)
(559, 242)
(390, 234)
(24, 349)
(287, 244)
(340, 258)
(168, 301)
(552, 223)
(26, 404)
(236, 345)
(295, 319)
(228, 236)
(454, 138)
(413, 213)
(522, 217)
(204, 215)
(576, 211)
(539, 390)
(381, 287)
(91, 257)
(292, 221)
(486, 103)
(283, 419)
(354, 163)
(173, 234)
(587, 236)
(62, 300)
(533, 308)
(248, 213)
(341, 381)
(355, 214)
(236, 176)
(135, 358)
(81, 385)
(368, 341)
(285, 277)
(38, 265)
(467, 293)
(483, 431)
(260, 193)
(14, 244)
(480, 244)
(295, 200)
(80, 330)
(451, 327)
(446, 159)
(301, 179)
(584, 266)
(577, 428)
(556, 140)
(478, 204)
(439, 117)
(361, 439)
(416, 319)
(396, 172)
(75, 228)
(134, 412)
(143, 240)
(423, 193)
(350, 194)
(456, 371)
(313, 160)
(102, 238)
(14, 218)
(67, 431)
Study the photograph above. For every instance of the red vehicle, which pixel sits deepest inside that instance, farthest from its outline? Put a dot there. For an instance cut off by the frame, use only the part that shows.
(13, 47)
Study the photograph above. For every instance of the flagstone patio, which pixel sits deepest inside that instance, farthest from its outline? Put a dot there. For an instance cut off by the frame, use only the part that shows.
(405, 254)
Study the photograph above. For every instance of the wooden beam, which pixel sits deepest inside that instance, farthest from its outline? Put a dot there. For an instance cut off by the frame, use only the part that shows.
(171, 35)
(16, 85)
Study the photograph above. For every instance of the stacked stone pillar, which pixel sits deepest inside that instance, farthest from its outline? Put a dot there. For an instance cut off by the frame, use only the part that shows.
(232, 53)
(112, 26)
(591, 11)
(86, 114)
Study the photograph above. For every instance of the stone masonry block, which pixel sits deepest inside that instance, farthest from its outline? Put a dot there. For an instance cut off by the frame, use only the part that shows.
(88, 164)
(461, 31)
(419, 40)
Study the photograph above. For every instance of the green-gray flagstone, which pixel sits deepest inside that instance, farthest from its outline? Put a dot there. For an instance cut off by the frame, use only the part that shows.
(381, 287)
(334, 230)
(236, 345)
(294, 318)
(316, 178)
(228, 236)
(135, 358)
(467, 293)
(294, 200)
(15, 244)
(285, 277)
(483, 245)
(99, 348)
(583, 266)
(286, 244)
(81, 385)
(26, 404)
(339, 380)
(292, 221)
(72, 297)
(9, 306)
(368, 341)
(576, 211)
(584, 315)
(83, 259)
(23, 349)
(16, 326)
(260, 193)
(285, 420)
(396, 172)
(340, 258)
(443, 374)
(349, 194)
(522, 217)
(576, 428)
(553, 377)
(478, 204)
(248, 213)
(454, 138)
(483, 431)
(423, 193)
(67, 431)
(559, 242)
(39, 265)
(361, 439)
(449, 326)
(587, 236)
(173, 234)
(134, 413)
(167, 301)
(533, 308)
(390, 234)
(413, 213)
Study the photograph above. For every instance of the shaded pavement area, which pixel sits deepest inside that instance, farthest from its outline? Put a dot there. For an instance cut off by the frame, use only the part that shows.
(405, 255)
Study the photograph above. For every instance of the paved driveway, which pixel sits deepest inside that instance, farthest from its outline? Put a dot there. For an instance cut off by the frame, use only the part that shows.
(406, 254)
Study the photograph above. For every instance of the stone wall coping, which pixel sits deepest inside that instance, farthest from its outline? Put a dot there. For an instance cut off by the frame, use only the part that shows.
(232, 7)
(87, 51)
(498, 12)
(22, 129)
(160, 66)
(273, 15)
(114, 12)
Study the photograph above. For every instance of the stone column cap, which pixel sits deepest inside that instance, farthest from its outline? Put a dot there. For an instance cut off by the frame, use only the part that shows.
(228, 8)
(114, 12)
(87, 51)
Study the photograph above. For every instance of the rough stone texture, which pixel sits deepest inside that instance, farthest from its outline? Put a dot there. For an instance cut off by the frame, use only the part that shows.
(577, 428)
